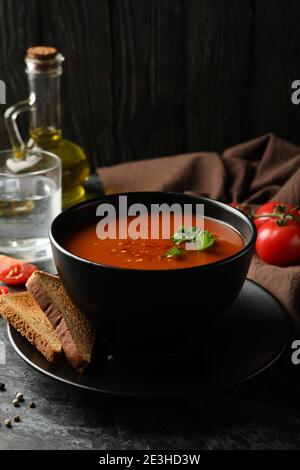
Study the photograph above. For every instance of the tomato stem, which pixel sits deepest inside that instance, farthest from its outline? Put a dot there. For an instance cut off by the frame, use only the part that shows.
(282, 216)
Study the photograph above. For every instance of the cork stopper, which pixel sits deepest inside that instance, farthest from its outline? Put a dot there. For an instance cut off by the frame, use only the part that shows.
(41, 52)
(43, 60)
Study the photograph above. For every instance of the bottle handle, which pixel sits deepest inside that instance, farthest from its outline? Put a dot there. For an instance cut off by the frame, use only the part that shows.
(10, 117)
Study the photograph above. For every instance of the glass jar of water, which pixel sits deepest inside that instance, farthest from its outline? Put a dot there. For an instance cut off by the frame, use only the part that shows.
(30, 198)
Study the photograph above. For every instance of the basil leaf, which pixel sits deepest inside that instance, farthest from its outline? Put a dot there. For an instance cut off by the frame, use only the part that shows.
(206, 239)
(178, 238)
(174, 252)
(185, 234)
(203, 238)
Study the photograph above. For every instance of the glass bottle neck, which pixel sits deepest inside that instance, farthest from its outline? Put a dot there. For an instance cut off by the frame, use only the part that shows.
(45, 115)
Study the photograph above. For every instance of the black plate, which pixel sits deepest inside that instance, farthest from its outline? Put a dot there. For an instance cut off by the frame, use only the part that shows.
(244, 341)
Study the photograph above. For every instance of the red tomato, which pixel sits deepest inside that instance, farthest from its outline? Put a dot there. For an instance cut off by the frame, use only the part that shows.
(270, 207)
(245, 209)
(15, 273)
(279, 244)
(7, 261)
(3, 290)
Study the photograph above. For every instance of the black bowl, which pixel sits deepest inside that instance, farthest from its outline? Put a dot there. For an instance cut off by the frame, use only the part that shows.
(158, 311)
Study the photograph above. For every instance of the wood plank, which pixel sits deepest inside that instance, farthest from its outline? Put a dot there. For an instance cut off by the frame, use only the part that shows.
(145, 78)
(218, 72)
(276, 63)
(81, 31)
(18, 30)
(148, 72)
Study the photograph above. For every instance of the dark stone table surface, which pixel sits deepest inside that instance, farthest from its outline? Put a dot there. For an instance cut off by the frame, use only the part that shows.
(252, 415)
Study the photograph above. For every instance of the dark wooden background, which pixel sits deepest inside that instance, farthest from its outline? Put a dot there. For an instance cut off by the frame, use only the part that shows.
(145, 78)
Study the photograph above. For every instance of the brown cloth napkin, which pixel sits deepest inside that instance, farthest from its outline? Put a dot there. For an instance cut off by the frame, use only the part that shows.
(254, 172)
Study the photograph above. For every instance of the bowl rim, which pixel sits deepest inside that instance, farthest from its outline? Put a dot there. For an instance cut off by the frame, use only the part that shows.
(248, 246)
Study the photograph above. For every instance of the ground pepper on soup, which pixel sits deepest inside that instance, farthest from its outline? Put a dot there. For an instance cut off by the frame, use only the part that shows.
(150, 254)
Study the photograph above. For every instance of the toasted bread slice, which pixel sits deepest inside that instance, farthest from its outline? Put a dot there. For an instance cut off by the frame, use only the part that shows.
(25, 315)
(75, 331)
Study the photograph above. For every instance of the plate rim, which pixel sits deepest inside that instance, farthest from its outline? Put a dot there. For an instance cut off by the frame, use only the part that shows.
(175, 395)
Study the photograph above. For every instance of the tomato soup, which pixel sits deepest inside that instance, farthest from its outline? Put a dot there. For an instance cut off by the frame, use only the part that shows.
(150, 253)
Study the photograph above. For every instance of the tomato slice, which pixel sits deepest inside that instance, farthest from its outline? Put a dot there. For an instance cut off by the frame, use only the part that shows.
(3, 290)
(13, 271)
(7, 262)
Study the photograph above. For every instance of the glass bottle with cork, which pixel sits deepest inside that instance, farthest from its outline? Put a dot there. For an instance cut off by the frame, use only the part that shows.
(44, 68)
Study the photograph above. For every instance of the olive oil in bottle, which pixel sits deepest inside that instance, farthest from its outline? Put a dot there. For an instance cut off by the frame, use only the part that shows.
(44, 68)
(75, 168)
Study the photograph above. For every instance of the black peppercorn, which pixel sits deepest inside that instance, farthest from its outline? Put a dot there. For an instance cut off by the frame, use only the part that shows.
(31, 404)
(2, 387)
(19, 396)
